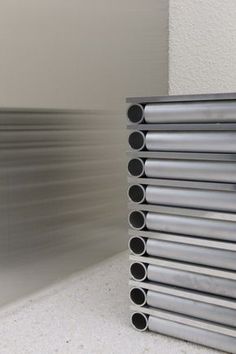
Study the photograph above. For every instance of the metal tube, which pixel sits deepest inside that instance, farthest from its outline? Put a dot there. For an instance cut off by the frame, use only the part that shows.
(184, 279)
(190, 141)
(185, 197)
(209, 228)
(191, 112)
(193, 254)
(183, 252)
(194, 281)
(190, 170)
(190, 333)
(210, 312)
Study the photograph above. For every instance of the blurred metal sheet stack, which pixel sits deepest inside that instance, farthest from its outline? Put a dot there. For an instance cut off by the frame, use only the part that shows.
(61, 194)
(182, 204)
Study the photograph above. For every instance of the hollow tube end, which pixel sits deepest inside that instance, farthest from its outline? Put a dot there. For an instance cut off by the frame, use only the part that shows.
(137, 140)
(137, 193)
(137, 245)
(137, 219)
(138, 296)
(135, 113)
(136, 167)
(138, 271)
(139, 321)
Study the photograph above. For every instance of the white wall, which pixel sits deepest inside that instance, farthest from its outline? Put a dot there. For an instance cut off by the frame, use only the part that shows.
(202, 46)
(81, 53)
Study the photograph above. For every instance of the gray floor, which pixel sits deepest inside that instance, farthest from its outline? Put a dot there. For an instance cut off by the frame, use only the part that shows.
(87, 313)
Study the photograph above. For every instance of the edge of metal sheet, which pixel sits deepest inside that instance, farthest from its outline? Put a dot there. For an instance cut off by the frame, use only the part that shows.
(181, 155)
(188, 240)
(21, 110)
(206, 214)
(190, 184)
(48, 110)
(183, 98)
(184, 126)
(186, 320)
(187, 294)
(187, 267)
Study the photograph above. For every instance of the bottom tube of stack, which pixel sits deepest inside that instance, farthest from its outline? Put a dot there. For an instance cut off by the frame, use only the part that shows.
(183, 331)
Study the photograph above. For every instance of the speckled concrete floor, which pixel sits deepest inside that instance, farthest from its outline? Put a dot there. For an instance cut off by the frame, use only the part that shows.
(88, 313)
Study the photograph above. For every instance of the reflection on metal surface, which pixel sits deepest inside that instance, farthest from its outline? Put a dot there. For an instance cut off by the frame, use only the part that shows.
(62, 203)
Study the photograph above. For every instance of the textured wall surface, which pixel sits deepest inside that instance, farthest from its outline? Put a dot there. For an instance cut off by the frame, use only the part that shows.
(202, 46)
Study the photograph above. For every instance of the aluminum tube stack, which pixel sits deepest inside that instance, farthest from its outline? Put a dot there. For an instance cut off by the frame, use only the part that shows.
(182, 217)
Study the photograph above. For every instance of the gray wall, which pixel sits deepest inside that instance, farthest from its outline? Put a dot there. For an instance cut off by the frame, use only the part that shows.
(71, 54)
(81, 53)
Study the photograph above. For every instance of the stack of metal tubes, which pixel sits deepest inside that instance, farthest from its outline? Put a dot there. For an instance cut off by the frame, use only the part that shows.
(182, 204)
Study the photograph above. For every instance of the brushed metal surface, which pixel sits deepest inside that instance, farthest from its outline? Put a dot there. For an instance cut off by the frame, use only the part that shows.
(191, 170)
(186, 267)
(184, 126)
(181, 211)
(201, 156)
(184, 306)
(192, 198)
(62, 194)
(197, 133)
(208, 228)
(181, 319)
(222, 142)
(184, 239)
(183, 98)
(188, 112)
(215, 186)
(184, 327)
(184, 224)
(193, 254)
(196, 335)
(186, 294)
(183, 197)
(191, 280)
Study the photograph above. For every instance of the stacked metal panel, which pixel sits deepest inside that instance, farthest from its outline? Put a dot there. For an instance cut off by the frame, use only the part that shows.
(182, 204)
(61, 195)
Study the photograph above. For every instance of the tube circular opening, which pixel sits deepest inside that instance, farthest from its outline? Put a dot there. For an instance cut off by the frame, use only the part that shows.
(137, 220)
(135, 113)
(137, 140)
(137, 245)
(138, 271)
(136, 193)
(138, 296)
(139, 321)
(136, 167)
